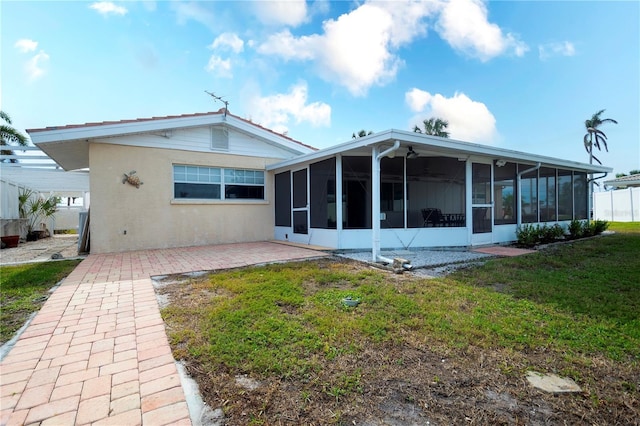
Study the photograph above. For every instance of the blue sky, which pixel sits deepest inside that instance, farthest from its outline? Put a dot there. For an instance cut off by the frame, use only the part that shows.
(514, 74)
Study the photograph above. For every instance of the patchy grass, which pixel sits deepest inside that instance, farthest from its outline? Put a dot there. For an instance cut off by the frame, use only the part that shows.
(24, 289)
(450, 350)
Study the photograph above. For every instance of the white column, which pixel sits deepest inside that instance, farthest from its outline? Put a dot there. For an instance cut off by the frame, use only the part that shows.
(375, 204)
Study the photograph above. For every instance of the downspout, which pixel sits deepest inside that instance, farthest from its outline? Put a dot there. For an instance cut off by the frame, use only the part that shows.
(536, 167)
(590, 186)
(375, 198)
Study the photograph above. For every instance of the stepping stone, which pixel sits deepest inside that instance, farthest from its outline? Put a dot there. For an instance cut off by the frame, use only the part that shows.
(552, 383)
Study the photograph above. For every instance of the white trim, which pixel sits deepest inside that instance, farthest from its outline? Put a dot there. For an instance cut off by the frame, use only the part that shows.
(454, 147)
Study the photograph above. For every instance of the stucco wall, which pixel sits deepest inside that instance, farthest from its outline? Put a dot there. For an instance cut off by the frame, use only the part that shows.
(152, 218)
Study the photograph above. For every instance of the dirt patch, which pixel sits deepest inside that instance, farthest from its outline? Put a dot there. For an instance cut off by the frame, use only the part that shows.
(416, 382)
(57, 247)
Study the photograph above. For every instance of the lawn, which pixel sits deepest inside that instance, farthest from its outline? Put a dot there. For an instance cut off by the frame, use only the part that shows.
(450, 350)
(24, 289)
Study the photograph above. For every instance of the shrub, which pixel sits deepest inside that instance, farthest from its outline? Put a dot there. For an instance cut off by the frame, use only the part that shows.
(575, 229)
(595, 227)
(549, 234)
(528, 235)
(599, 226)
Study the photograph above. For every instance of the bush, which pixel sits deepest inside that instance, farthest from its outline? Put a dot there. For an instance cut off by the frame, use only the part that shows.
(549, 234)
(575, 229)
(595, 227)
(528, 235)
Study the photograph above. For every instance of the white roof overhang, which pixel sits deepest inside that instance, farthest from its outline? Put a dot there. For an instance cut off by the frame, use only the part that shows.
(47, 181)
(69, 145)
(624, 181)
(422, 143)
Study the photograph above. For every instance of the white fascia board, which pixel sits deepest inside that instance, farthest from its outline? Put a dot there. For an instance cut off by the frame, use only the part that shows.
(120, 129)
(419, 140)
(268, 136)
(154, 125)
(362, 142)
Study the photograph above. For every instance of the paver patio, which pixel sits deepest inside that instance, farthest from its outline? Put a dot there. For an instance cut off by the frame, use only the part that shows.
(97, 352)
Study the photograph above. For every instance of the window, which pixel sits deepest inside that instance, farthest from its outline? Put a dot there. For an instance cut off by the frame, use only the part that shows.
(504, 194)
(283, 199)
(529, 196)
(580, 190)
(322, 188)
(547, 192)
(392, 192)
(565, 195)
(435, 192)
(212, 183)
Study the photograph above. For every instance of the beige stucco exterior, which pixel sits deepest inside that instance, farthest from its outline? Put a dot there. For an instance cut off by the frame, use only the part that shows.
(150, 215)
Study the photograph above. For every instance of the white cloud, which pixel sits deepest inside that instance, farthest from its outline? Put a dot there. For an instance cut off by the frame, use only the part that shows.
(192, 10)
(290, 12)
(464, 25)
(26, 45)
(34, 67)
(108, 8)
(417, 99)
(548, 50)
(468, 120)
(356, 50)
(220, 67)
(228, 41)
(276, 111)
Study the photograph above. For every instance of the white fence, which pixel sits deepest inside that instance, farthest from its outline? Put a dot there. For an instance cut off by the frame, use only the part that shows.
(621, 205)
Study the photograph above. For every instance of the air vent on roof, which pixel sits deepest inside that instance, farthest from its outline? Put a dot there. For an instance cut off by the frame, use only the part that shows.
(219, 139)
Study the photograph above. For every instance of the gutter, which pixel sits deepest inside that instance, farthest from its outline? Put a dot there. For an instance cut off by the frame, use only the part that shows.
(375, 204)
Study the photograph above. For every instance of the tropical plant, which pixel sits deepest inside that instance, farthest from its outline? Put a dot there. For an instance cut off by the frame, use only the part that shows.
(595, 136)
(10, 136)
(434, 126)
(361, 133)
(35, 208)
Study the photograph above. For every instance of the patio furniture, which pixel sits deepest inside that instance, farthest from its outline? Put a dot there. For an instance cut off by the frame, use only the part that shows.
(432, 217)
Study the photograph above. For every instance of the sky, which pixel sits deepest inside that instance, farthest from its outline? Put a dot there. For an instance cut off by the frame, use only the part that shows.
(520, 75)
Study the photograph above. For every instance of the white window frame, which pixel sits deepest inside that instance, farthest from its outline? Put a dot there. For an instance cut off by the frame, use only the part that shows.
(221, 177)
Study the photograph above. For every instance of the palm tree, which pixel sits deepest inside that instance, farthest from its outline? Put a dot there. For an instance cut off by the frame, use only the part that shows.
(434, 126)
(595, 136)
(10, 136)
(361, 133)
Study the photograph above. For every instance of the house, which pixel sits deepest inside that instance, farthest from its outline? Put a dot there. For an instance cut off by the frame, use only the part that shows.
(217, 178)
(631, 181)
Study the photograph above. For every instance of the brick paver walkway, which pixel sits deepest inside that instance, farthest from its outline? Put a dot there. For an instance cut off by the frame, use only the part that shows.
(97, 352)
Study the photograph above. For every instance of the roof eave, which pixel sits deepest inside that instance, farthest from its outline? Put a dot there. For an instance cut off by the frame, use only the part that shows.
(419, 139)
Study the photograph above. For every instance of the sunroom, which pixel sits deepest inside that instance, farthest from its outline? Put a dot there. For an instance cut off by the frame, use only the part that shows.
(398, 189)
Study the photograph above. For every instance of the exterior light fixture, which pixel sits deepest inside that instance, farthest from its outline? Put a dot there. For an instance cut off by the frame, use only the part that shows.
(411, 154)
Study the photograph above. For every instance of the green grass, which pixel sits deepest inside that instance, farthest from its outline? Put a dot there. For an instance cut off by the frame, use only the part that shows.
(23, 290)
(625, 227)
(574, 300)
(583, 296)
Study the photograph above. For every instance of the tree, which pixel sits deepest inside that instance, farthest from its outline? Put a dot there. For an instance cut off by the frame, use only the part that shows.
(434, 126)
(361, 133)
(10, 136)
(595, 136)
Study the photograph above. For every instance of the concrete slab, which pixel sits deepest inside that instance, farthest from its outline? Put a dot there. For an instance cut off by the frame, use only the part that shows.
(552, 383)
(503, 251)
